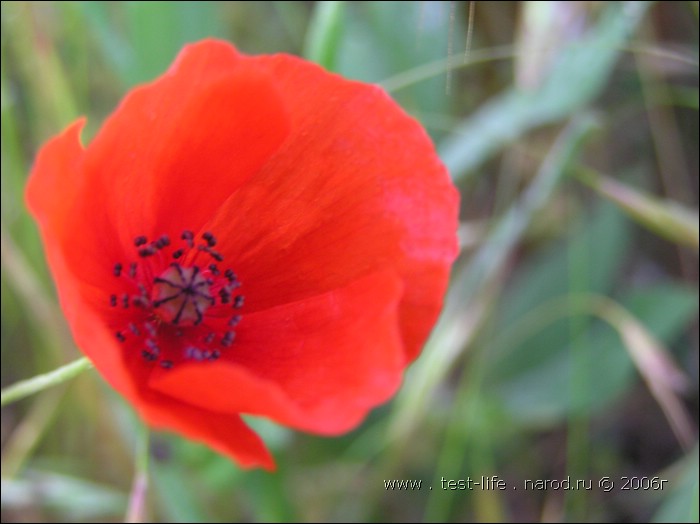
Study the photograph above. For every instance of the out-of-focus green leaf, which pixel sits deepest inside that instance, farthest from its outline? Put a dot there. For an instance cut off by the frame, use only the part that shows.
(158, 30)
(546, 27)
(383, 39)
(177, 495)
(48, 87)
(680, 502)
(487, 264)
(114, 45)
(269, 497)
(579, 73)
(12, 161)
(666, 218)
(603, 236)
(71, 497)
(533, 373)
(293, 17)
(154, 33)
(539, 393)
(324, 34)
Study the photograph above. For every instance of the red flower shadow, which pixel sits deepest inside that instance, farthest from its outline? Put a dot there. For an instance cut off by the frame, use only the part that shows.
(248, 235)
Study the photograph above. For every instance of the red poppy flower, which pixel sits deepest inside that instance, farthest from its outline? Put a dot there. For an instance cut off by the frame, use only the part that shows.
(248, 235)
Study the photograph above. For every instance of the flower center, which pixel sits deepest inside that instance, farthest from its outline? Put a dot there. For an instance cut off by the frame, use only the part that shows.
(183, 313)
(181, 295)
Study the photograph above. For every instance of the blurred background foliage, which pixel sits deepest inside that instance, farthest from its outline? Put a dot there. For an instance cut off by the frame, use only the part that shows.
(569, 342)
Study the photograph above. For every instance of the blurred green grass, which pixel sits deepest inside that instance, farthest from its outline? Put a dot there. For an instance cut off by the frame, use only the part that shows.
(573, 308)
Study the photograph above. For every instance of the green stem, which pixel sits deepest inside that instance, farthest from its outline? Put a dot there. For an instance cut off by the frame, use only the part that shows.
(136, 512)
(438, 67)
(578, 444)
(35, 384)
(323, 34)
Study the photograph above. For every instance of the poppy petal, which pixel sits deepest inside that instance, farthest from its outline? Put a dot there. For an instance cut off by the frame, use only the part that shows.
(55, 178)
(319, 364)
(374, 136)
(53, 181)
(173, 151)
(227, 434)
(362, 190)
